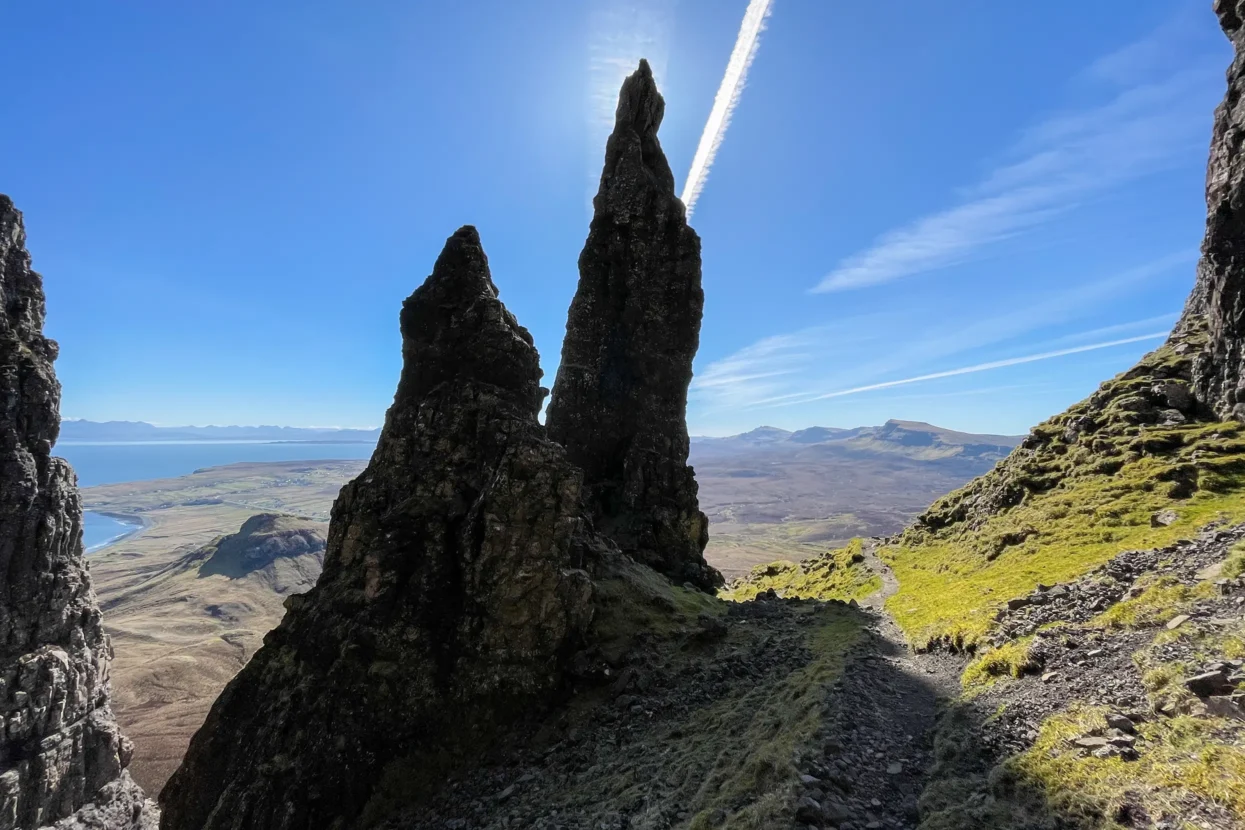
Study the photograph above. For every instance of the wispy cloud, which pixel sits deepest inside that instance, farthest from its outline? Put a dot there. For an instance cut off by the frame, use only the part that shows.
(860, 350)
(1053, 167)
(724, 103)
(978, 367)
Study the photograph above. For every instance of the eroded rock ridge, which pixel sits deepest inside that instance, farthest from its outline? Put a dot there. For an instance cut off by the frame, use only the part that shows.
(62, 756)
(619, 402)
(451, 598)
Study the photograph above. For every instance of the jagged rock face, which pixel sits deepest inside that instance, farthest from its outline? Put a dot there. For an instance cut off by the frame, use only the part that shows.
(450, 598)
(61, 751)
(619, 403)
(1219, 294)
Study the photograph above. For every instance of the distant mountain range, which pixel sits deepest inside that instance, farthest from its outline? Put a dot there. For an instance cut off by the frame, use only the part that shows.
(912, 439)
(772, 494)
(82, 431)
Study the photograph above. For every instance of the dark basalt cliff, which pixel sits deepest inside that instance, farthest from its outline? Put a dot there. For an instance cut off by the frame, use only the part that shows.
(619, 403)
(1218, 299)
(62, 756)
(452, 595)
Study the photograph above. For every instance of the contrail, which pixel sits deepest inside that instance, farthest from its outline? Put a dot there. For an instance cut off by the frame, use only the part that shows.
(980, 367)
(726, 99)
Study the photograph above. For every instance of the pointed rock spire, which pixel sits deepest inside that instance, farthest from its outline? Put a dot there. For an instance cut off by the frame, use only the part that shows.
(619, 403)
(1215, 311)
(450, 600)
(62, 756)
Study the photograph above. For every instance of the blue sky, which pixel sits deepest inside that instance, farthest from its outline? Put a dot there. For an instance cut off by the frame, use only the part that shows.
(229, 201)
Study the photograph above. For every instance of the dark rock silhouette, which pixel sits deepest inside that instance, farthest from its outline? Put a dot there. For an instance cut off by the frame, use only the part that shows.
(1218, 298)
(619, 403)
(451, 598)
(62, 756)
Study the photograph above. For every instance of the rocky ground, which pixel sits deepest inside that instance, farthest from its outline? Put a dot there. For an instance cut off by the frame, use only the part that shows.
(685, 731)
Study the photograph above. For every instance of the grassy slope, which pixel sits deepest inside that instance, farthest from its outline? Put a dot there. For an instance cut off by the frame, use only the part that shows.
(1082, 489)
(834, 575)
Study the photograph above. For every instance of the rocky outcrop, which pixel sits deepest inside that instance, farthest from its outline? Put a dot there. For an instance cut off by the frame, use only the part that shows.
(62, 756)
(1218, 299)
(284, 552)
(451, 597)
(619, 403)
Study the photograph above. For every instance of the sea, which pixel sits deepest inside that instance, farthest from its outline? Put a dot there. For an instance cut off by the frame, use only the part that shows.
(114, 462)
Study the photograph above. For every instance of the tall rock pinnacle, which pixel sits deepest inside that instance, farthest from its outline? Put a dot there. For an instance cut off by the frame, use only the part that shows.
(1219, 294)
(62, 756)
(619, 403)
(451, 597)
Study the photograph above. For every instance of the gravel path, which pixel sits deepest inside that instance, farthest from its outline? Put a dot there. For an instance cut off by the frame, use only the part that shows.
(876, 748)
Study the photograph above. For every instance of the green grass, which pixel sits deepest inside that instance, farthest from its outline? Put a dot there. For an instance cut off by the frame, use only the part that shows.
(953, 581)
(1179, 757)
(1162, 600)
(1081, 489)
(753, 740)
(1008, 660)
(1234, 565)
(839, 574)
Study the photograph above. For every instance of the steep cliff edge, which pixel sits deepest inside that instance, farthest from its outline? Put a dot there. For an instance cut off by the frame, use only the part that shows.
(619, 402)
(1219, 296)
(62, 756)
(451, 597)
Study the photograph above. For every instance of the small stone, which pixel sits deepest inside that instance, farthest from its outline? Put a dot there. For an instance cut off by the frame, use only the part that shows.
(1164, 518)
(1090, 742)
(809, 780)
(1017, 603)
(1177, 621)
(894, 768)
(1225, 707)
(807, 810)
(1122, 723)
(1049, 676)
(1209, 683)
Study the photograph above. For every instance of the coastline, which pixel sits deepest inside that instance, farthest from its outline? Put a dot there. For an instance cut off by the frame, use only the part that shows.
(134, 521)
